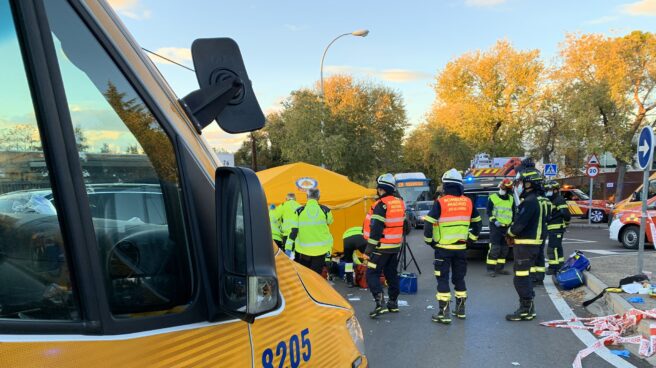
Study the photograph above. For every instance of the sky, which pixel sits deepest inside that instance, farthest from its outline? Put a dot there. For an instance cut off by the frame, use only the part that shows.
(408, 44)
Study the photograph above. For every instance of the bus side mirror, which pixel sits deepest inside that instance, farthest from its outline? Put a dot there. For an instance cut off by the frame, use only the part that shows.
(226, 94)
(248, 283)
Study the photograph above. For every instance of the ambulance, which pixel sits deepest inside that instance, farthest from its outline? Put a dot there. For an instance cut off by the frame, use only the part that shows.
(624, 223)
(579, 203)
(123, 241)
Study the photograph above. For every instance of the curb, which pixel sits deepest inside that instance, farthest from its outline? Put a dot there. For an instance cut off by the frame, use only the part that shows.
(619, 305)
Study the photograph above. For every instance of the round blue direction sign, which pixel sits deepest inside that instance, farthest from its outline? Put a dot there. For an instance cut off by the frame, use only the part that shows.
(646, 148)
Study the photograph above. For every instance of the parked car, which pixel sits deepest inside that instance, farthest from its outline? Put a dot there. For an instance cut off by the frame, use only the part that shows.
(578, 203)
(625, 225)
(419, 211)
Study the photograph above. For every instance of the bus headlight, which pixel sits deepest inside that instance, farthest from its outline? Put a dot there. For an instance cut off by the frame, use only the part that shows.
(355, 331)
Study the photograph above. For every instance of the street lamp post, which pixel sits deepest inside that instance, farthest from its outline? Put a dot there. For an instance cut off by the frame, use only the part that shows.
(358, 33)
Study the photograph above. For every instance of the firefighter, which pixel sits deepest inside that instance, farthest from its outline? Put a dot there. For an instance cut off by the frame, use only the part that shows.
(538, 270)
(287, 213)
(455, 221)
(354, 240)
(310, 237)
(526, 234)
(501, 208)
(556, 226)
(383, 230)
(274, 219)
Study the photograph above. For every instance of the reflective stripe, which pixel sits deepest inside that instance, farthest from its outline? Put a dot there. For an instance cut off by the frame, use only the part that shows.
(453, 246)
(352, 231)
(428, 240)
(394, 236)
(310, 223)
(473, 237)
(563, 207)
(372, 241)
(443, 297)
(371, 265)
(522, 273)
(454, 219)
(553, 261)
(430, 219)
(378, 217)
(528, 241)
(556, 226)
(537, 269)
(314, 244)
(438, 273)
(476, 219)
(501, 261)
(348, 267)
(389, 246)
(461, 294)
(395, 219)
(491, 261)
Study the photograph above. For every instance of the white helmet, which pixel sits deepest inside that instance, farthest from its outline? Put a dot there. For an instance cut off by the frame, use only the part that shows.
(452, 176)
(386, 182)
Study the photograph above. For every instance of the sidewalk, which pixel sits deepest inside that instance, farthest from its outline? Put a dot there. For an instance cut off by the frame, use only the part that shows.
(607, 272)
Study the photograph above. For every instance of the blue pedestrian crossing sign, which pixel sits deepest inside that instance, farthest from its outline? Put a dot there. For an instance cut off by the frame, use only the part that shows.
(550, 170)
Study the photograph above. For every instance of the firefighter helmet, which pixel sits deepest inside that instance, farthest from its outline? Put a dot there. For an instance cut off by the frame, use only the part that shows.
(452, 176)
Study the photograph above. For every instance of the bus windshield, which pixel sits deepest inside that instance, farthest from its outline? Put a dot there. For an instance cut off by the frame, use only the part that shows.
(415, 194)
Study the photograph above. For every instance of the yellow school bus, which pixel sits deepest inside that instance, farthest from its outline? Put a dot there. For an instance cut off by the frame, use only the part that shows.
(123, 242)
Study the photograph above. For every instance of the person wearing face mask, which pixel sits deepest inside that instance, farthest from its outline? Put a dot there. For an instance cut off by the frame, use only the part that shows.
(556, 225)
(501, 208)
(527, 232)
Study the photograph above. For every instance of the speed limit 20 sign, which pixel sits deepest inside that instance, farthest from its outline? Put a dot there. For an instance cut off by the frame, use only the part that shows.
(592, 171)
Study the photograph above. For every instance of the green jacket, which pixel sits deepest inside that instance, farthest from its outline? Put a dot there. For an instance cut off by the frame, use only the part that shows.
(310, 234)
(287, 215)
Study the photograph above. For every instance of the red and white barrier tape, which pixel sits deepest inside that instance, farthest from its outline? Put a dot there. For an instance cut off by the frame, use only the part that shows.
(611, 328)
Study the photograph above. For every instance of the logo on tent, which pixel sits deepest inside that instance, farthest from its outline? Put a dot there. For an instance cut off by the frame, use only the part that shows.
(306, 184)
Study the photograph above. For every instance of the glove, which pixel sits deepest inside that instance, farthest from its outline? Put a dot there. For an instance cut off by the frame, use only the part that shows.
(497, 224)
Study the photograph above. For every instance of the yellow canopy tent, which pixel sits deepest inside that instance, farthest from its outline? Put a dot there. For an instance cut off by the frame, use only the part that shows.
(348, 201)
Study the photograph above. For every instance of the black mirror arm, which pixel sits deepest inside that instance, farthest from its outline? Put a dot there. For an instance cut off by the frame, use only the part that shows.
(203, 105)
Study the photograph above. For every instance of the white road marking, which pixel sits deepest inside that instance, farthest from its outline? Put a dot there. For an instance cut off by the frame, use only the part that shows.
(585, 336)
(577, 241)
(602, 252)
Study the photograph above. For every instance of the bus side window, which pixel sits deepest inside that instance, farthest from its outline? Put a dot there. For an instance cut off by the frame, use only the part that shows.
(35, 280)
(131, 174)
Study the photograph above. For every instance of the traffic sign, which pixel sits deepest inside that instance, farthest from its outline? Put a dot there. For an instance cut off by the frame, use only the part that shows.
(550, 170)
(593, 160)
(646, 148)
(592, 171)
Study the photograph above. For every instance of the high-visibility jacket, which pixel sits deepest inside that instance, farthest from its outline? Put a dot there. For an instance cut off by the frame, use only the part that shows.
(451, 228)
(500, 209)
(356, 230)
(529, 225)
(274, 219)
(288, 216)
(560, 215)
(384, 230)
(310, 234)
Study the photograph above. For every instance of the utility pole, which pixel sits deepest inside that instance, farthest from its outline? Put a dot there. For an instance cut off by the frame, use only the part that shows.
(253, 152)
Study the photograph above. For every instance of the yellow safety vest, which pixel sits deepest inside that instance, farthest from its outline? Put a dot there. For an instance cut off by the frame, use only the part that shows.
(276, 233)
(288, 216)
(502, 210)
(314, 237)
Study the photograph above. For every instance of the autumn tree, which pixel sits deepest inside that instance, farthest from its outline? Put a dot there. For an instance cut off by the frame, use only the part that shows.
(612, 83)
(21, 137)
(361, 137)
(487, 97)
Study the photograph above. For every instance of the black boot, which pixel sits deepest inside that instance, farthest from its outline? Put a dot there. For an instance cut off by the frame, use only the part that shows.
(531, 310)
(379, 309)
(443, 316)
(523, 313)
(460, 308)
(550, 271)
(349, 280)
(491, 273)
(392, 306)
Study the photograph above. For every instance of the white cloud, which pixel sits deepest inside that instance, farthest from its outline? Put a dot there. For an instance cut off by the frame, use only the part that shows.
(642, 7)
(389, 75)
(484, 3)
(221, 140)
(276, 107)
(602, 20)
(295, 28)
(180, 55)
(131, 9)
